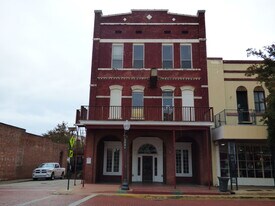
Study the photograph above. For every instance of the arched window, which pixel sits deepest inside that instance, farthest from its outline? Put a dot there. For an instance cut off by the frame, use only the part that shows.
(242, 104)
(147, 149)
(168, 103)
(137, 101)
(259, 99)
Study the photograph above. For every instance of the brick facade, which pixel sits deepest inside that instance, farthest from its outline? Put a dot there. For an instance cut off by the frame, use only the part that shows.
(21, 152)
(153, 29)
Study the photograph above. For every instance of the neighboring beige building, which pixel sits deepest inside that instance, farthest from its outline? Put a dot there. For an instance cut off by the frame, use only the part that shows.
(239, 134)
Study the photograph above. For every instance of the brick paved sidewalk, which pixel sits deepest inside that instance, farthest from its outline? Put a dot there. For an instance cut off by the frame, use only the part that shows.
(160, 189)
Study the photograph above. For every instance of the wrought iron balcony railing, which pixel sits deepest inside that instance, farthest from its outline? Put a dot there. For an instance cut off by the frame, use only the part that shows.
(147, 113)
(235, 117)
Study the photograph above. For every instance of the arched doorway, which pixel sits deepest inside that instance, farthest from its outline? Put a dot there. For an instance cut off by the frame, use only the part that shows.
(147, 160)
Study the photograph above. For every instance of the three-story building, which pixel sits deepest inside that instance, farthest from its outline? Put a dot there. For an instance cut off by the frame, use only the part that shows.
(148, 119)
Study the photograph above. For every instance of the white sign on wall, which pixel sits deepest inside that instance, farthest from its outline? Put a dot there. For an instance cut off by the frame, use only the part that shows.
(88, 160)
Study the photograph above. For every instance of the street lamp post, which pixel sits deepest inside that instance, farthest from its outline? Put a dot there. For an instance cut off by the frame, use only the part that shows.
(125, 185)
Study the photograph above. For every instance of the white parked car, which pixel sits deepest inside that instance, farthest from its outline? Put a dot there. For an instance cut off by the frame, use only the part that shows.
(48, 170)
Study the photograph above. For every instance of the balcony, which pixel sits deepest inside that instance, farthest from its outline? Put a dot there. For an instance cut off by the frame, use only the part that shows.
(147, 113)
(238, 117)
(239, 125)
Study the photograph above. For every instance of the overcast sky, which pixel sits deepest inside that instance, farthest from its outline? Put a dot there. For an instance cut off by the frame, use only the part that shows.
(45, 49)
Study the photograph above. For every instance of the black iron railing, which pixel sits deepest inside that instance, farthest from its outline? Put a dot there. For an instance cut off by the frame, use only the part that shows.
(234, 117)
(147, 113)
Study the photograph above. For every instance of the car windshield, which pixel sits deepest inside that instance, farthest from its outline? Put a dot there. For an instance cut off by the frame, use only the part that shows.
(47, 165)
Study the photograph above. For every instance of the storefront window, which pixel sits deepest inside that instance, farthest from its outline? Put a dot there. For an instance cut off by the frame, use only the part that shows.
(253, 161)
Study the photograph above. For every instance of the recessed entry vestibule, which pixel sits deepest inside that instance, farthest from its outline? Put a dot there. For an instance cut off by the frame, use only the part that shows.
(147, 159)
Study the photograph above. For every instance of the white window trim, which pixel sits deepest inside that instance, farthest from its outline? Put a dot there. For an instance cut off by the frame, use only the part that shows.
(112, 145)
(190, 53)
(172, 55)
(122, 53)
(137, 87)
(185, 146)
(142, 53)
(167, 88)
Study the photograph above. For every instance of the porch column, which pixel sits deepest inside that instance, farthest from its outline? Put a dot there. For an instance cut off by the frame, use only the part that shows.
(174, 155)
(89, 173)
(94, 158)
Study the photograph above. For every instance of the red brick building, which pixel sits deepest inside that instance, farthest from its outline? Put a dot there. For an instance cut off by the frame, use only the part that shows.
(21, 152)
(148, 67)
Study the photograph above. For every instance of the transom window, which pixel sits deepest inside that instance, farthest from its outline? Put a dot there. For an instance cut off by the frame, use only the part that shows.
(138, 56)
(185, 56)
(117, 56)
(147, 149)
(167, 56)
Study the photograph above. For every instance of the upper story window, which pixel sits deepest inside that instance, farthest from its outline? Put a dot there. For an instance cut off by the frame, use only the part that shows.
(259, 99)
(168, 103)
(138, 56)
(137, 99)
(115, 102)
(188, 110)
(137, 102)
(185, 56)
(117, 56)
(167, 56)
(242, 105)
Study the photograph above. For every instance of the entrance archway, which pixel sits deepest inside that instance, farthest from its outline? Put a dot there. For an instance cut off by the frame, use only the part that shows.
(147, 160)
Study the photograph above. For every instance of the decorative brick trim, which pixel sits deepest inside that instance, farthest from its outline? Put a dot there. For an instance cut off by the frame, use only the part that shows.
(149, 40)
(148, 24)
(123, 78)
(179, 78)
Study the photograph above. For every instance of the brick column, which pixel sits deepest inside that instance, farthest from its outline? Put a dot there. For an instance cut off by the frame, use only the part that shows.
(89, 151)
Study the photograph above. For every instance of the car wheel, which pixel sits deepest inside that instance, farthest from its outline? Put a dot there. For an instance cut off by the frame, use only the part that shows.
(62, 175)
(52, 176)
(34, 179)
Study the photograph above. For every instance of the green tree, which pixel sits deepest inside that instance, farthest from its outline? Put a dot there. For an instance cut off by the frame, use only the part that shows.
(59, 134)
(265, 74)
